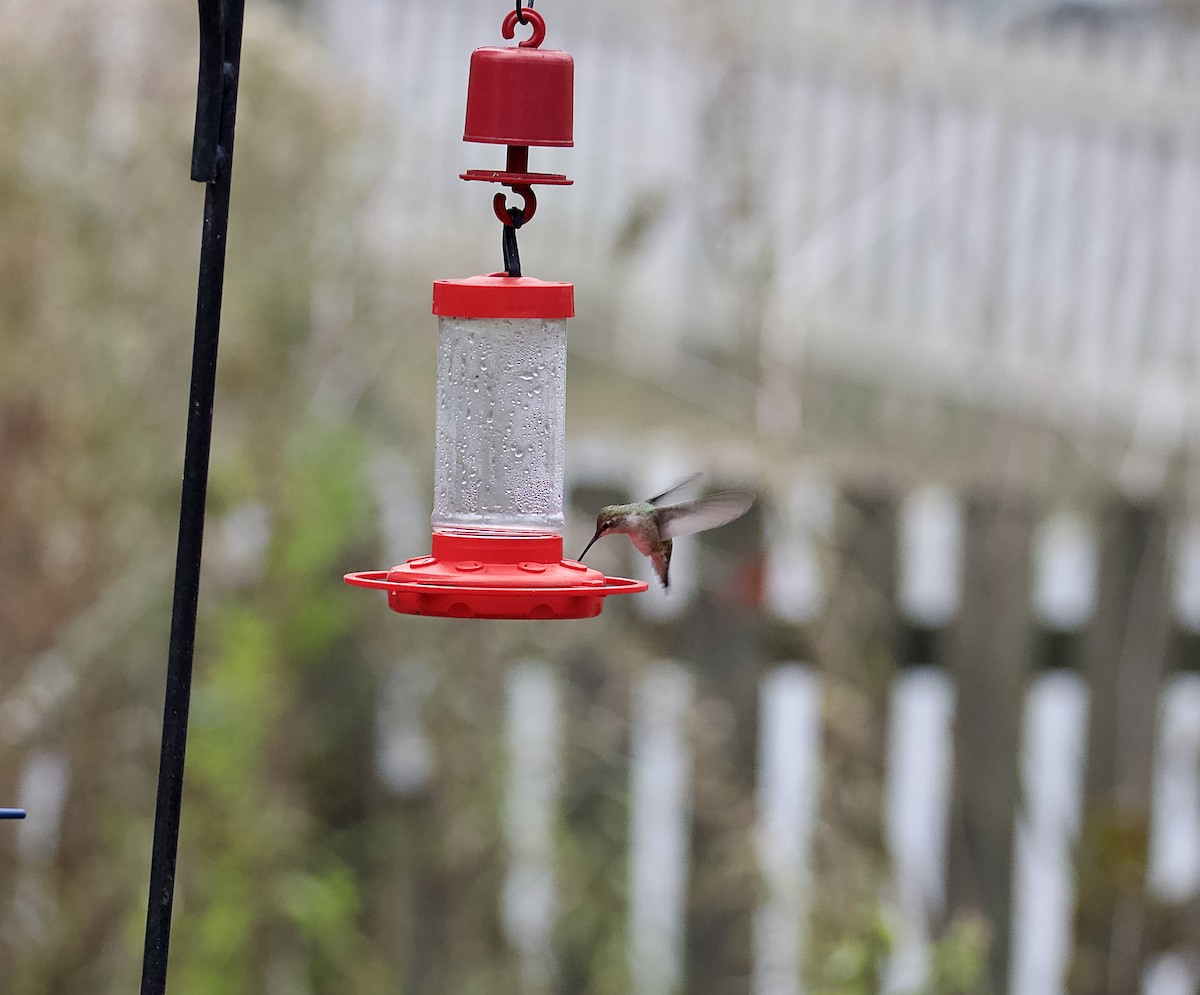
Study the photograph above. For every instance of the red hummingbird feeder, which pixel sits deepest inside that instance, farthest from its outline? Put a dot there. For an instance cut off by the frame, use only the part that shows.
(497, 548)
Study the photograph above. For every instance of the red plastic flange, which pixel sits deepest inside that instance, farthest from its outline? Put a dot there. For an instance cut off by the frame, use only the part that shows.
(482, 575)
(509, 179)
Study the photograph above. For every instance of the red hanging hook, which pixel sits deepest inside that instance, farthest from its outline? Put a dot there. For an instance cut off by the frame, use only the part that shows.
(529, 205)
(531, 16)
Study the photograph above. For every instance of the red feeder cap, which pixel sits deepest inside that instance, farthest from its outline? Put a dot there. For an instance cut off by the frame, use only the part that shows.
(469, 575)
(500, 296)
(520, 96)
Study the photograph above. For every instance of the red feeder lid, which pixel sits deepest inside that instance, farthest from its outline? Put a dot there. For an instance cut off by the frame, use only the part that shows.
(521, 95)
(473, 575)
(501, 296)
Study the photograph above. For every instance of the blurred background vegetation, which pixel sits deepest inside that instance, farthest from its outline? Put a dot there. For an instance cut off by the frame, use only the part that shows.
(344, 817)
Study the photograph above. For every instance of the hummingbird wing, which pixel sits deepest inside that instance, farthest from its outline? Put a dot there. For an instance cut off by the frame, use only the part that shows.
(703, 514)
(686, 482)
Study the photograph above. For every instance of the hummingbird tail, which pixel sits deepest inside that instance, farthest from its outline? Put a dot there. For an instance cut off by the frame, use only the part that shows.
(662, 562)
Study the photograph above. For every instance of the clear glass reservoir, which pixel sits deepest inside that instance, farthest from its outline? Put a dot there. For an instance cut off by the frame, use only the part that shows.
(501, 423)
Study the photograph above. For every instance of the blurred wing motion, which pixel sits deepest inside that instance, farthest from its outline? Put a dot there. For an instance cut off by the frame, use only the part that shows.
(703, 514)
(674, 489)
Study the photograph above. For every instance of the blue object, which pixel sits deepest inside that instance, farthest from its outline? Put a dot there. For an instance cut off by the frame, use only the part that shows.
(12, 813)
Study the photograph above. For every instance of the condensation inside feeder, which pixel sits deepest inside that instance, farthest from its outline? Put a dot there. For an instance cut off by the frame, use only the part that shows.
(501, 424)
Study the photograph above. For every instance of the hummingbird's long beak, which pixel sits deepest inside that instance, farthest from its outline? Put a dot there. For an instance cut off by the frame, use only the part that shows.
(589, 545)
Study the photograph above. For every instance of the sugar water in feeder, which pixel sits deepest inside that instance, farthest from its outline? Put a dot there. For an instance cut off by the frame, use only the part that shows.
(501, 405)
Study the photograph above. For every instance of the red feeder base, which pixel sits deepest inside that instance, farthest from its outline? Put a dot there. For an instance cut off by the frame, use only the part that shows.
(478, 575)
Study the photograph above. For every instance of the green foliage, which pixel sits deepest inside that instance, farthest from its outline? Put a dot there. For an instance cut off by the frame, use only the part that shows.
(323, 511)
(959, 958)
(853, 966)
(97, 273)
(257, 868)
(319, 905)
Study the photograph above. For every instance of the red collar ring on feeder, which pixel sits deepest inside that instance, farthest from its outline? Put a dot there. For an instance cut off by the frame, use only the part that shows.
(499, 463)
(520, 96)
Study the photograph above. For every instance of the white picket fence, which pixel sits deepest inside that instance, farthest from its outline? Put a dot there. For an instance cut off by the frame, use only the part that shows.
(1009, 222)
(920, 754)
(916, 817)
(917, 791)
(799, 519)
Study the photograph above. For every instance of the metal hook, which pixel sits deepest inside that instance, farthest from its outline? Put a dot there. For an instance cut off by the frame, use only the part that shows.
(520, 13)
(531, 16)
(528, 207)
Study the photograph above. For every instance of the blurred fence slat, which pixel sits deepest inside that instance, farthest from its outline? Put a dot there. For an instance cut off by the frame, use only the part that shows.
(917, 806)
(1052, 760)
(660, 778)
(43, 787)
(1174, 847)
(789, 747)
(1125, 659)
(1064, 578)
(593, 848)
(988, 656)
(725, 658)
(1174, 872)
(930, 557)
(533, 730)
(1170, 975)
(857, 651)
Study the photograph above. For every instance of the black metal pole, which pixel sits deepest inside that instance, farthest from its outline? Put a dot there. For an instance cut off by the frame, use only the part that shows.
(212, 162)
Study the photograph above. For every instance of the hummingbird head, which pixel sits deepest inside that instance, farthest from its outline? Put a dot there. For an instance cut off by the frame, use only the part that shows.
(606, 521)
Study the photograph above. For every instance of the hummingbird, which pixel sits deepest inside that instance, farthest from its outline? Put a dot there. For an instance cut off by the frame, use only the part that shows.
(652, 525)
